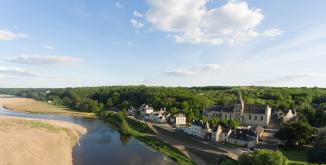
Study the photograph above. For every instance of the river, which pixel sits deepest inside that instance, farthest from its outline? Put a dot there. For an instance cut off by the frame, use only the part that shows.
(102, 144)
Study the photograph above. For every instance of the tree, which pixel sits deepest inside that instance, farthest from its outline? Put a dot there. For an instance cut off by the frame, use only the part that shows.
(265, 157)
(296, 133)
(233, 123)
(320, 140)
(317, 155)
(109, 103)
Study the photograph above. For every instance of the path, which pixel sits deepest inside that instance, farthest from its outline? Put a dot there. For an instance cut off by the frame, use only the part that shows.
(183, 142)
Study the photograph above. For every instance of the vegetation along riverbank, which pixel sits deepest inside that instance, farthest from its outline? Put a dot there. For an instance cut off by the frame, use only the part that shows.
(144, 134)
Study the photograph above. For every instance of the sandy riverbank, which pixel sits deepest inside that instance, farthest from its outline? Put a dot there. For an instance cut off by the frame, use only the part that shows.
(33, 106)
(36, 141)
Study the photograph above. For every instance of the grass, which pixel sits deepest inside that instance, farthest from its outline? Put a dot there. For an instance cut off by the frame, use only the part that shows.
(165, 149)
(39, 124)
(298, 157)
(142, 132)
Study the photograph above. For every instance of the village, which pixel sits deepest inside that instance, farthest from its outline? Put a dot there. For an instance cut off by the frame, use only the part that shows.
(258, 123)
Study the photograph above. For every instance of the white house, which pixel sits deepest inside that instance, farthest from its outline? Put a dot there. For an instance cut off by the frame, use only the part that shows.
(145, 110)
(179, 119)
(198, 129)
(289, 115)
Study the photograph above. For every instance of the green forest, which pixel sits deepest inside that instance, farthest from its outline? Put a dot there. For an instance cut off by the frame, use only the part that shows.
(310, 103)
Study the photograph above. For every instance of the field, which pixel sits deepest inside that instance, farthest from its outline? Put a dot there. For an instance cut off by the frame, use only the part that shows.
(33, 106)
(37, 142)
(298, 157)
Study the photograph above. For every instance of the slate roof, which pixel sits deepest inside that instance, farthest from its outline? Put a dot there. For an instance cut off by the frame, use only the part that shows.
(215, 128)
(252, 108)
(243, 134)
(199, 123)
(215, 108)
(226, 129)
(220, 108)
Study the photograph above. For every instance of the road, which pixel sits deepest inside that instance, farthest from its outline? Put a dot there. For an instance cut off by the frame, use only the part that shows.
(185, 143)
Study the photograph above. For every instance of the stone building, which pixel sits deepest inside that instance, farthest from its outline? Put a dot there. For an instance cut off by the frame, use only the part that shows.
(247, 114)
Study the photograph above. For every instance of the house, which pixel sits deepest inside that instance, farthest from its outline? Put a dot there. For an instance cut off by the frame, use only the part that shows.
(216, 133)
(225, 134)
(288, 116)
(145, 110)
(247, 114)
(198, 129)
(132, 111)
(243, 137)
(156, 118)
(179, 120)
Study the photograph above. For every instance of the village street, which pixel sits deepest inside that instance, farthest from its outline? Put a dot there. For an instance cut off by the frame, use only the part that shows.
(187, 145)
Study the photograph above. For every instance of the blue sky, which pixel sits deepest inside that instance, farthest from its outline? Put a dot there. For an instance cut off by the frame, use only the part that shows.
(60, 43)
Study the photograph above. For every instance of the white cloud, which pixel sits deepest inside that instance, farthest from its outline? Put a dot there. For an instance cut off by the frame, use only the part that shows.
(50, 47)
(7, 72)
(193, 71)
(289, 78)
(272, 32)
(9, 35)
(192, 22)
(138, 14)
(118, 5)
(43, 59)
(136, 24)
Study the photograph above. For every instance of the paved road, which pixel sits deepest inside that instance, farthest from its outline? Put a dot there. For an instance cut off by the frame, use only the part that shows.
(182, 142)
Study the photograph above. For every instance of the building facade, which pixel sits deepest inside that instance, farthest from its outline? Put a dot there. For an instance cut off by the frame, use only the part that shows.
(247, 114)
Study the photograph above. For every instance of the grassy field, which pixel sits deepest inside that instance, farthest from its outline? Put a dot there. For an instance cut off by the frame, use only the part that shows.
(33, 106)
(298, 157)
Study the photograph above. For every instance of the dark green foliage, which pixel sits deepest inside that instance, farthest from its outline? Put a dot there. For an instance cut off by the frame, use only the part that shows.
(318, 153)
(310, 102)
(317, 156)
(266, 157)
(295, 134)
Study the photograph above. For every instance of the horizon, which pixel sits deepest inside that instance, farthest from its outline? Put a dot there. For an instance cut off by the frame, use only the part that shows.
(154, 86)
(198, 43)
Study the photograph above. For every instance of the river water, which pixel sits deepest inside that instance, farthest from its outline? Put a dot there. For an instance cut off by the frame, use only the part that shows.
(102, 144)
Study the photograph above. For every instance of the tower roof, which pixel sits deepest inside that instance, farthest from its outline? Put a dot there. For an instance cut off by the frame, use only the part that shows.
(239, 99)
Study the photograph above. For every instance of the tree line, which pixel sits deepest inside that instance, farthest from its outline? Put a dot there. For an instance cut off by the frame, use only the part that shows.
(309, 102)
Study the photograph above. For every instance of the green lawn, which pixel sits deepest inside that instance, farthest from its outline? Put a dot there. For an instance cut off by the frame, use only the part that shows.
(296, 156)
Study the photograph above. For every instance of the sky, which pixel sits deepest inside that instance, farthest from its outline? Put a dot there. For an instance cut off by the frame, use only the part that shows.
(60, 43)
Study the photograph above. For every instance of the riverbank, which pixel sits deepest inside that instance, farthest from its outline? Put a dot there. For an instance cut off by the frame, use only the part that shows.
(144, 134)
(33, 106)
(36, 141)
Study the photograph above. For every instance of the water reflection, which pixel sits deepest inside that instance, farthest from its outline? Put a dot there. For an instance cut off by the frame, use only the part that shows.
(124, 139)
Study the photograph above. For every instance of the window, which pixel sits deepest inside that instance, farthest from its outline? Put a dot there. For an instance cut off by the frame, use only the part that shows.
(230, 116)
(261, 117)
(249, 117)
(255, 117)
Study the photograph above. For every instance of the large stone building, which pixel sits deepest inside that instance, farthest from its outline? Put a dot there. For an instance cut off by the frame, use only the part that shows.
(247, 114)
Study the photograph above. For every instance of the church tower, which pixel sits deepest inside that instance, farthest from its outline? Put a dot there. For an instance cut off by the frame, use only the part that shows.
(239, 105)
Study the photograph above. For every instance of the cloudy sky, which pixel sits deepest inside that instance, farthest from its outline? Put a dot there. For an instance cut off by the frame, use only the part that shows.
(47, 43)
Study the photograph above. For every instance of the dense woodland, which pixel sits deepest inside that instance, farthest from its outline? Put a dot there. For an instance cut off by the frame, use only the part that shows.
(309, 102)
